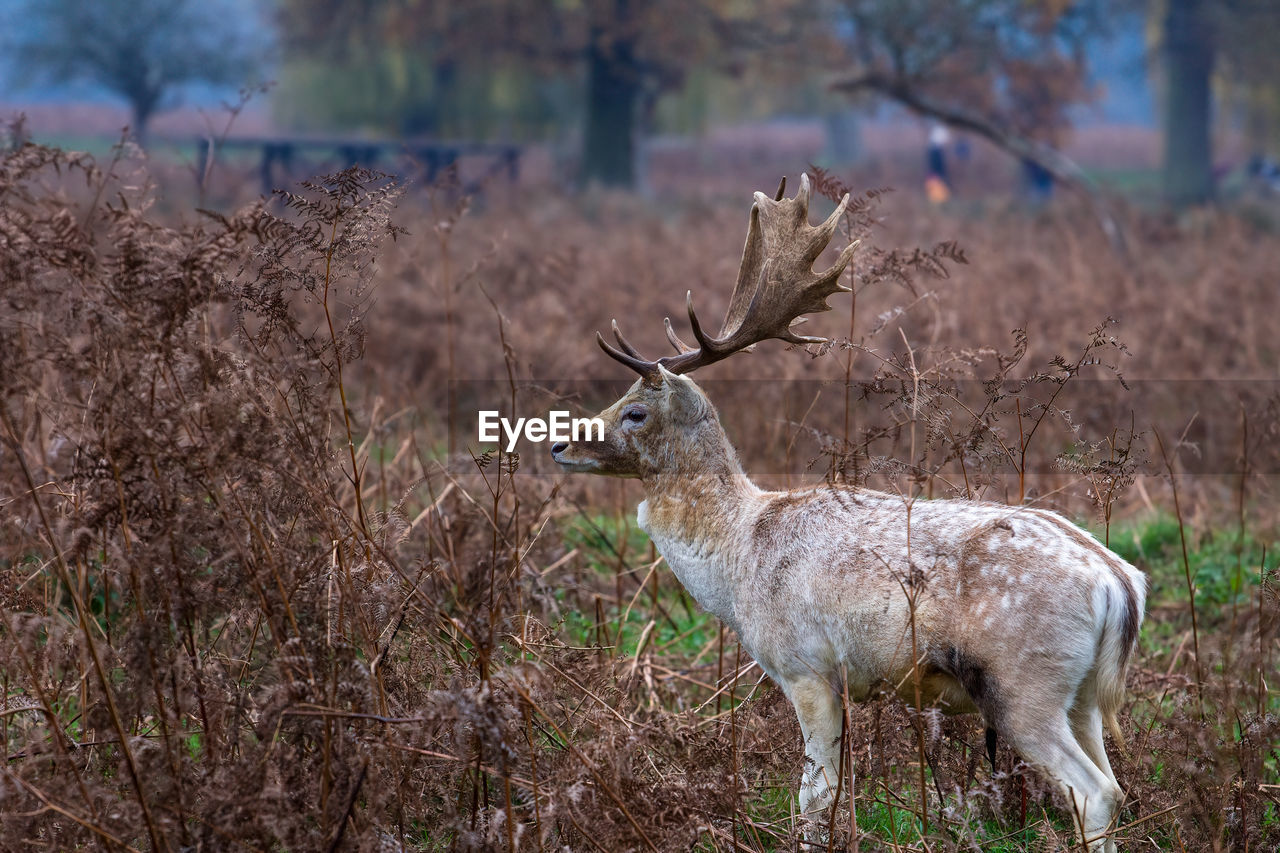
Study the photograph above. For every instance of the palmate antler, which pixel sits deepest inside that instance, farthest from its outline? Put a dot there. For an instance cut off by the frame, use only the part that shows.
(776, 286)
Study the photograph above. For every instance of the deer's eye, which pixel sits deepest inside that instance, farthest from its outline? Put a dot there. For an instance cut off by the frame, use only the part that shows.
(635, 416)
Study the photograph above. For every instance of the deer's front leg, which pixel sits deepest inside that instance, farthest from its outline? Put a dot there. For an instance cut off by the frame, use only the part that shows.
(818, 709)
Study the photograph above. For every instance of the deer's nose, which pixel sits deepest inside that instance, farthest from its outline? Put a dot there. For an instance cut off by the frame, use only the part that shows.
(559, 447)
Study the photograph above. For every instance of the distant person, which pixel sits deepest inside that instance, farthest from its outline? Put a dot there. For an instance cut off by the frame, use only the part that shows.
(936, 190)
(1264, 173)
(936, 155)
(936, 184)
(1038, 180)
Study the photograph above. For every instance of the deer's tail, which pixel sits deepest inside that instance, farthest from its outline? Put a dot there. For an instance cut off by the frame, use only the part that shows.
(1121, 618)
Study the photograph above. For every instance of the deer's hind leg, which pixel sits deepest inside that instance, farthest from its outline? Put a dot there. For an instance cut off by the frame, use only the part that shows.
(1046, 741)
(1086, 725)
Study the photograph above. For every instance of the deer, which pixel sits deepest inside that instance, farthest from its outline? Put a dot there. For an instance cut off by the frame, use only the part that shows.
(1019, 615)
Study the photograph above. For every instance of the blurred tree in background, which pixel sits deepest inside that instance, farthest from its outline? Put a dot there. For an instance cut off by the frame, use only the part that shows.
(1251, 66)
(593, 72)
(414, 68)
(515, 68)
(595, 76)
(634, 51)
(1005, 69)
(1188, 49)
(1232, 43)
(141, 50)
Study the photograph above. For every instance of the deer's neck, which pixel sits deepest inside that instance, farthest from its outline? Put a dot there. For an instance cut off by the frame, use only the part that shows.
(695, 511)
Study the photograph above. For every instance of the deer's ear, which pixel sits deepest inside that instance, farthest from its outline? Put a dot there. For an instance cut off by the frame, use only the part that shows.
(686, 402)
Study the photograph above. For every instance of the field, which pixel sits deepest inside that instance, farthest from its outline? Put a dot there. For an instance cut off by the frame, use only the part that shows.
(264, 590)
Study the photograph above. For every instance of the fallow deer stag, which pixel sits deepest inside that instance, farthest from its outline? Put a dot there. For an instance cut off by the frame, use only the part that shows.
(1023, 617)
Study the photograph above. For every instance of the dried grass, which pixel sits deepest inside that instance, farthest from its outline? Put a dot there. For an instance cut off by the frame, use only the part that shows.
(252, 601)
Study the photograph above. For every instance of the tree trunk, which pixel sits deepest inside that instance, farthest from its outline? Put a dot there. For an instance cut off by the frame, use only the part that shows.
(144, 106)
(613, 94)
(1188, 57)
(432, 112)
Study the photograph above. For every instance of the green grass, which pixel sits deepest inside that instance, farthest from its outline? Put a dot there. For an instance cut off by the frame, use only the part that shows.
(601, 540)
(1224, 565)
(1140, 182)
(885, 825)
(681, 627)
(101, 146)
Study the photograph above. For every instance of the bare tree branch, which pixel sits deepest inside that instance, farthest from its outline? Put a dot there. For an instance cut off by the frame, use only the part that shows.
(1064, 170)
